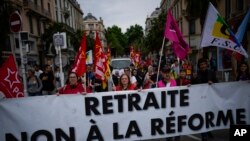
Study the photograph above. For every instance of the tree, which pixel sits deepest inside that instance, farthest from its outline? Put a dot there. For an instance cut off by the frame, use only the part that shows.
(117, 41)
(75, 39)
(134, 35)
(153, 40)
(47, 36)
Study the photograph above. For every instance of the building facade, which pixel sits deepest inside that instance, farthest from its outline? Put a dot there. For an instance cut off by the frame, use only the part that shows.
(37, 16)
(91, 25)
(233, 11)
(150, 20)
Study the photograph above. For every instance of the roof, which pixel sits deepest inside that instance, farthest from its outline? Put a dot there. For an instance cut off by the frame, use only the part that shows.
(89, 16)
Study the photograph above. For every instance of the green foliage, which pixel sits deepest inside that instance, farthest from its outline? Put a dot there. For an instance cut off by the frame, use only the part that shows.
(117, 41)
(134, 34)
(76, 38)
(153, 41)
(53, 28)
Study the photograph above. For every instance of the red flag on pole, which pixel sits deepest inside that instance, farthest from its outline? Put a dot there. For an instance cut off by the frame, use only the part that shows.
(137, 57)
(99, 59)
(79, 66)
(132, 55)
(10, 84)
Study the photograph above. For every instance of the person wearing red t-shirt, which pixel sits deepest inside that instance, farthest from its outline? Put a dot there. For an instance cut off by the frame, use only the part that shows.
(182, 80)
(73, 86)
(124, 84)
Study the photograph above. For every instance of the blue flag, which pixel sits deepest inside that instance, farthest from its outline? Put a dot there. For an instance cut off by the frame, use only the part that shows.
(242, 28)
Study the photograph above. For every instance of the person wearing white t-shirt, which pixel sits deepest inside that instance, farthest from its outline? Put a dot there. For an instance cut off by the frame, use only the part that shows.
(132, 78)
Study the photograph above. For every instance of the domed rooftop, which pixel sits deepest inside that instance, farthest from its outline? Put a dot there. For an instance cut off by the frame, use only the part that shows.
(156, 12)
(89, 17)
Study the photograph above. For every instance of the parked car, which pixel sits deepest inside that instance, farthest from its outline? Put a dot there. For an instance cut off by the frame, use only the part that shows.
(119, 64)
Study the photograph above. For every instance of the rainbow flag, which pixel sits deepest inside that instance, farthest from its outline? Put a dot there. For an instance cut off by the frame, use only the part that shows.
(217, 33)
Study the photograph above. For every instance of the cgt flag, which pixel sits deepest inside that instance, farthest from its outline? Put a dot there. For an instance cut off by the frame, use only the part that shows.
(173, 33)
(217, 33)
(79, 66)
(10, 84)
(99, 59)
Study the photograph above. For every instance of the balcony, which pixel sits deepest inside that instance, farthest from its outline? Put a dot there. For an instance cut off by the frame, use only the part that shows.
(36, 9)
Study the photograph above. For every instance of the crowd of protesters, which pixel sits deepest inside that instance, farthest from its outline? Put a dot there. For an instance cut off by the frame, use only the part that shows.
(46, 81)
(178, 73)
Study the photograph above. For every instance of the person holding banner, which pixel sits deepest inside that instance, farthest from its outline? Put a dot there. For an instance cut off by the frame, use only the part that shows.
(73, 86)
(167, 80)
(124, 84)
(205, 75)
(34, 84)
(243, 72)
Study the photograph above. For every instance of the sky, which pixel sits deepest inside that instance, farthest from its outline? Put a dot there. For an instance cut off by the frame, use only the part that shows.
(122, 13)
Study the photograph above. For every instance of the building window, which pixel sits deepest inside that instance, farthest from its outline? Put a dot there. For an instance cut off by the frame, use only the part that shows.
(7, 44)
(57, 16)
(192, 27)
(239, 4)
(228, 8)
(17, 43)
(31, 24)
(32, 46)
(38, 27)
(49, 7)
(42, 4)
(91, 26)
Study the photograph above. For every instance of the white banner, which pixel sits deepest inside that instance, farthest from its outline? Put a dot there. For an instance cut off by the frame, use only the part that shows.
(126, 115)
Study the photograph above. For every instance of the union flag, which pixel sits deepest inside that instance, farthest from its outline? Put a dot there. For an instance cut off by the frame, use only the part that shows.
(10, 83)
(99, 59)
(79, 66)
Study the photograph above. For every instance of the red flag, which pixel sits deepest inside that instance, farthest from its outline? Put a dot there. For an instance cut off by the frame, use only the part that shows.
(137, 57)
(10, 84)
(109, 55)
(132, 55)
(173, 33)
(99, 59)
(79, 66)
(106, 71)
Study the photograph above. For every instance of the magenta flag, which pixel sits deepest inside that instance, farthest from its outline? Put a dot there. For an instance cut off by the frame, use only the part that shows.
(173, 34)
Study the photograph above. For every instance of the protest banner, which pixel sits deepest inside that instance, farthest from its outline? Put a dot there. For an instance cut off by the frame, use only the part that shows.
(126, 115)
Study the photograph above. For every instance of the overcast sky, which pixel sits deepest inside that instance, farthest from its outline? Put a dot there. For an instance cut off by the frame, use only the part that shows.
(122, 13)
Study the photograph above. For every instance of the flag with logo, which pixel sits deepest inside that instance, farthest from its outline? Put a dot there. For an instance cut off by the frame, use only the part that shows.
(173, 34)
(217, 33)
(241, 32)
(107, 71)
(10, 83)
(109, 55)
(243, 26)
(137, 60)
(99, 59)
(79, 66)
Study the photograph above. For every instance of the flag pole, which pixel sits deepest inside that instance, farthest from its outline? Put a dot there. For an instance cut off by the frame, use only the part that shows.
(159, 64)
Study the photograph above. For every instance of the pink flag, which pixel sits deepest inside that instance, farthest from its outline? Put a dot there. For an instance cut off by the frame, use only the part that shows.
(172, 32)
